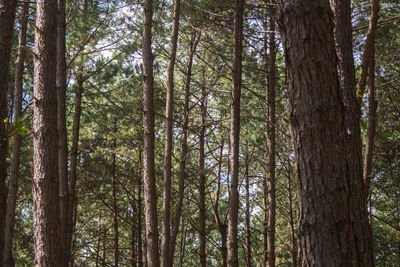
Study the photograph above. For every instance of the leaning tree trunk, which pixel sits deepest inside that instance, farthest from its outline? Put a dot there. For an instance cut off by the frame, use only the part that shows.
(167, 260)
(150, 190)
(16, 141)
(317, 116)
(233, 206)
(271, 82)
(7, 17)
(62, 128)
(46, 216)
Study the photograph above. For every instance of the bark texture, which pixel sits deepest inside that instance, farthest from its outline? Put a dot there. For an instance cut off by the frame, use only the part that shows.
(46, 216)
(327, 234)
(16, 141)
(166, 259)
(150, 190)
(7, 17)
(62, 127)
(233, 208)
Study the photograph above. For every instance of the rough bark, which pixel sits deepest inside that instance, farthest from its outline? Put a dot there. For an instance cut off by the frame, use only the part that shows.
(7, 17)
(345, 64)
(150, 194)
(182, 166)
(46, 216)
(16, 141)
(62, 127)
(326, 231)
(202, 181)
(166, 259)
(271, 82)
(233, 206)
(74, 159)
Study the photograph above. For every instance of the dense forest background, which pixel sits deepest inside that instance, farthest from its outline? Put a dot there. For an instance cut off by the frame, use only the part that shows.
(104, 132)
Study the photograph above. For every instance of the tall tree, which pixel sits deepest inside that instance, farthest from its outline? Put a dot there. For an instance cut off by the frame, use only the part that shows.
(45, 139)
(233, 259)
(167, 260)
(7, 17)
(150, 190)
(16, 140)
(271, 82)
(326, 231)
(61, 82)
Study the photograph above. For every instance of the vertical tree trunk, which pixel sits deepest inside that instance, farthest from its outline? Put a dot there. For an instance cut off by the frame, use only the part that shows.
(62, 127)
(74, 158)
(271, 82)
(140, 214)
(202, 182)
(233, 206)
(7, 17)
(150, 194)
(248, 230)
(182, 167)
(291, 217)
(114, 198)
(317, 114)
(134, 233)
(166, 260)
(46, 217)
(16, 141)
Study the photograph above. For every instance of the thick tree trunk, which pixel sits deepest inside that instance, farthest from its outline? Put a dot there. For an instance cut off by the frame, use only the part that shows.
(233, 206)
(7, 17)
(62, 127)
(202, 181)
(74, 159)
(182, 167)
(317, 116)
(166, 259)
(271, 82)
(114, 197)
(150, 190)
(16, 141)
(46, 217)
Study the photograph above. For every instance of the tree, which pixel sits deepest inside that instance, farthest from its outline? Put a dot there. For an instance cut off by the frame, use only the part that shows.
(233, 259)
(150, 194)
(317, 116)
(45, 139)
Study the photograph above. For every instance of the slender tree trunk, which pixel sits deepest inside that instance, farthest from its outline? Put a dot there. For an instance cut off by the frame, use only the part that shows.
(182, 167)
(202, 183)
(134, 234)
(140, 214)
(271, 82)
(150, 194)
(183, 244)
(291, 217)
(16, 141)
(74, 158)
(233, 206)
(114, 198)
(7, 17)
(166, 259)
(46, 219)
(62, 128)
(265, 221)
(317, 114)
(248, 230)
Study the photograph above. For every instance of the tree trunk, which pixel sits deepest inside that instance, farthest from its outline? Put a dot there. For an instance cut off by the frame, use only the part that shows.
(7, 17)
(291, 217)
(317, 114)
(271, 82)
(150, 194)
(16, 141)
(248, 230)
(74, 158)
(62, 128)
(46, 217)
(114, 198)
(233, 206)
(182, 167)
(202, 182)
(166, 260)
(140, 214)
